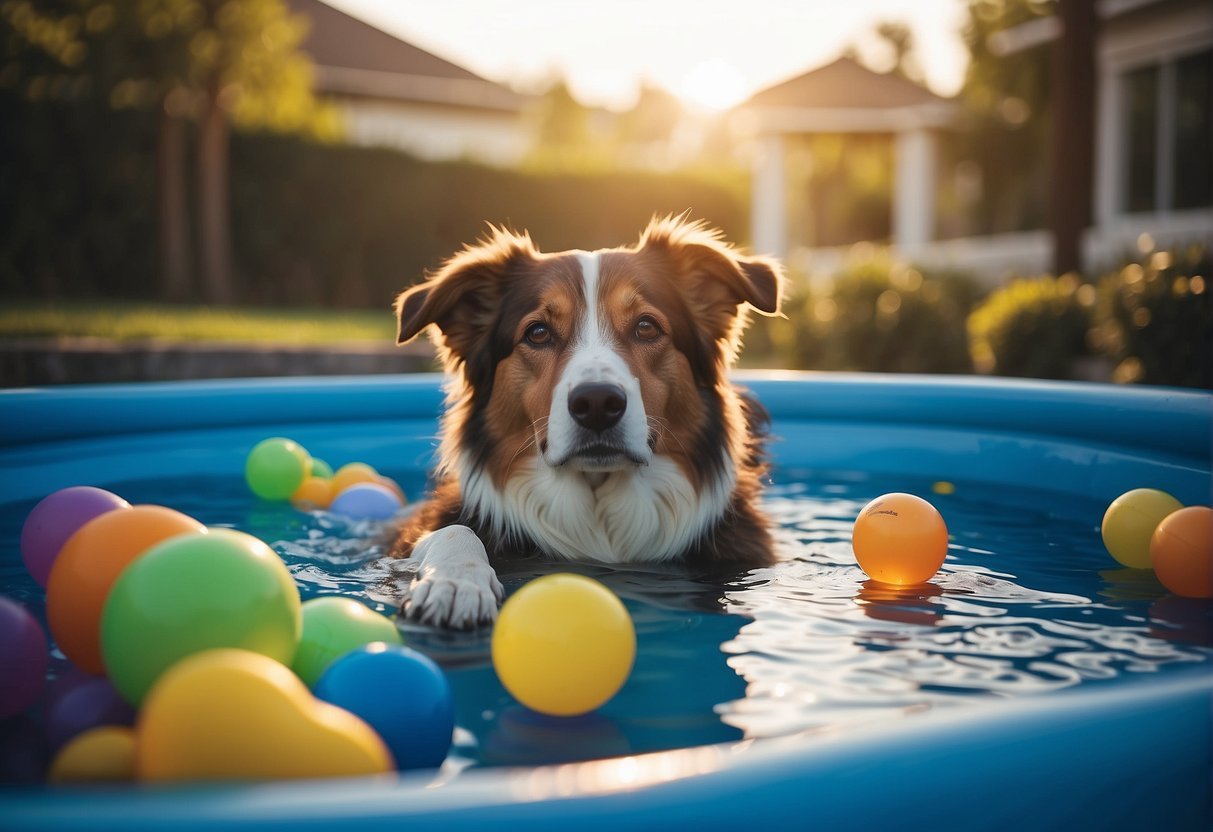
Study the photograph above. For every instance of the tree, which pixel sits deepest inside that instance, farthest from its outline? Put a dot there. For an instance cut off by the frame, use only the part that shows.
(1073, 133)
(562, 134)
(211, 60)
(899, 39)
(245, 62)
(1006, 100)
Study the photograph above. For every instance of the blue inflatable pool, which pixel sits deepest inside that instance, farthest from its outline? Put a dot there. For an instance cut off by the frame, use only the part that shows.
(1129, 752)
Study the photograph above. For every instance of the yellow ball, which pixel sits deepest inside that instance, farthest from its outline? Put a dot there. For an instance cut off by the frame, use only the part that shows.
(563, 645)
(100, 755)
(229, 714)
(1131, 520)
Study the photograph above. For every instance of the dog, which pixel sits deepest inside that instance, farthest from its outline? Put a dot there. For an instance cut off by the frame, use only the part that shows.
(589, 414)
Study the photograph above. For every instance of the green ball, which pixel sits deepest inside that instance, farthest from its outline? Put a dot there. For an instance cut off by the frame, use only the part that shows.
(321, 469)
(276, 467)
(218, 588)
(333, 627)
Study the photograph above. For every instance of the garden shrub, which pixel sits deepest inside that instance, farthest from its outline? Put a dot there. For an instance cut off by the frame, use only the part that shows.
(879, 316)
(1156, 320)
(1033, 327)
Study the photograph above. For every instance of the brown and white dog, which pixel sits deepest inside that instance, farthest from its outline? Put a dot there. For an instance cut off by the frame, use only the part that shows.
(589, 413)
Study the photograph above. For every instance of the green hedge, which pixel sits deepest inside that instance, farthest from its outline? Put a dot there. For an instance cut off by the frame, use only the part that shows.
(1033, 327)
(1156, 320)
(311, 223)
(1149, 322)
(350, 226)
(875, 316)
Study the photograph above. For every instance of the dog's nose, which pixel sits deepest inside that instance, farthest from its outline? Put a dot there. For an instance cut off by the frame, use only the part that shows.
(597, 406)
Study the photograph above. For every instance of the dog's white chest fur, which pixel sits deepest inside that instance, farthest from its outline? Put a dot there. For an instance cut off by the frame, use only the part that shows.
(648, 514)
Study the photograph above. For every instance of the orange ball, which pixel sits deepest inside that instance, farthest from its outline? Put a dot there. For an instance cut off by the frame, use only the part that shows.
(900, 539)
(353, 474)
(315, 492)
(1181, 551)
(89, 564)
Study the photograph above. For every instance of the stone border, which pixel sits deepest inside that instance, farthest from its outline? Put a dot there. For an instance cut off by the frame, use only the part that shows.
(28, 362)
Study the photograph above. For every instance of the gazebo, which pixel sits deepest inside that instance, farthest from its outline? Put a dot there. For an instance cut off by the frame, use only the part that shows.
(845, 97)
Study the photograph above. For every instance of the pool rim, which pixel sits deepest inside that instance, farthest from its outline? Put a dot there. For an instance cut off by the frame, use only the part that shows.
(1168, 431)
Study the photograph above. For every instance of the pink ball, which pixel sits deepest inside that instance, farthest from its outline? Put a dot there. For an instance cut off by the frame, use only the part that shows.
(57, 518)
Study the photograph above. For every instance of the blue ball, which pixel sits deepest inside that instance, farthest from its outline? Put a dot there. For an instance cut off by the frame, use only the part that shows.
(400, 693)
(366, 501)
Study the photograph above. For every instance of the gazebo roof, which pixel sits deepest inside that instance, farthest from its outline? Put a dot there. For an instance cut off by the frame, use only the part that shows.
(845, 96)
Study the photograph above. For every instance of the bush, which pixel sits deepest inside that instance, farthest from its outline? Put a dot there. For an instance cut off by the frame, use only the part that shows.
(878, 316)
(1033, 327)
(1156, 320)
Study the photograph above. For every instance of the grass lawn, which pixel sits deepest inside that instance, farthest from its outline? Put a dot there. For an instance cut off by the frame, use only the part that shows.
(131, 321)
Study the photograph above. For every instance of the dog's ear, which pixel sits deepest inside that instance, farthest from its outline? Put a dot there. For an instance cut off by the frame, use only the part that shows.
(463, 297)
(717, 282)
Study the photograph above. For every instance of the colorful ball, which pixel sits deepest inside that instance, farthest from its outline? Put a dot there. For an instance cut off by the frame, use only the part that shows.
(313, 493)
(234, 715)
(81, 702)
(221, 588)
(1130, 521)
(100, 755)
(400, 693)
(332, 627)
(563, 645)
(393, 486)
(321, 469)
(900, 539)
(23, 658)
(366, 501)
(1181, 550)
(91, 560)
(276, 467)
(55, 519)
(352, 474)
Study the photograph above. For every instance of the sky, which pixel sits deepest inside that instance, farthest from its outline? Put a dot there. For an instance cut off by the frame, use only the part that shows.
(711, 53)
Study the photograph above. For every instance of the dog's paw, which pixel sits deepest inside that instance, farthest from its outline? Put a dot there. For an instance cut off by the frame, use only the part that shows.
(455, 587)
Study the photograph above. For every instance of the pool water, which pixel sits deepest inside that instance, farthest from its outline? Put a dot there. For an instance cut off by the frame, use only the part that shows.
(1027, 603)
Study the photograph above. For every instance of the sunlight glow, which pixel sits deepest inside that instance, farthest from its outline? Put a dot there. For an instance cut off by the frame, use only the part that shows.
(712, 85)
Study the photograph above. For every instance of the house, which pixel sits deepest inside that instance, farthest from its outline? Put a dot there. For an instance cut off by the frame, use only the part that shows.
(1152, 152)
(394, 94)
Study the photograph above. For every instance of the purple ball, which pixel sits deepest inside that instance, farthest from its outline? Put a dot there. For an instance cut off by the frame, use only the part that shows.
(78, 703)
(57, 518)
(23, 658)
(366, 501)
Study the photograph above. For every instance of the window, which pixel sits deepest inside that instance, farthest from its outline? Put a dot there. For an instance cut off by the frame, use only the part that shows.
(1168, 127)
(1141, 98)
(1194, 131)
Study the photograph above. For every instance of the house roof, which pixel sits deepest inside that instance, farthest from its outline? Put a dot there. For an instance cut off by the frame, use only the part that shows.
(845, 96)
(354, 58)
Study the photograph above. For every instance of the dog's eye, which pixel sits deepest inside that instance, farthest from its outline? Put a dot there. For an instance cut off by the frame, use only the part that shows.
(647, 329)
(538, 334)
